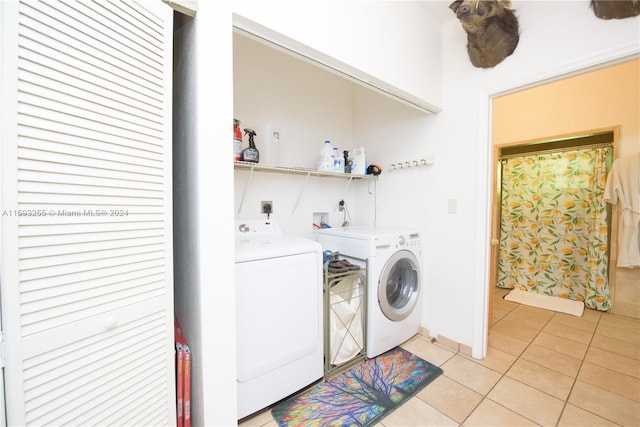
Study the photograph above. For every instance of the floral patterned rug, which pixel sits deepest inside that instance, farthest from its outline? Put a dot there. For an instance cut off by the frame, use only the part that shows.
(360, 396)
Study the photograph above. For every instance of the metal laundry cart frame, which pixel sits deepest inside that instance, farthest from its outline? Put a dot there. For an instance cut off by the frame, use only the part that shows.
(330, 280)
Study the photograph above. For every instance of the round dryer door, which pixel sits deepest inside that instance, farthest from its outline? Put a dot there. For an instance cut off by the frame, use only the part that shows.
(399, 286)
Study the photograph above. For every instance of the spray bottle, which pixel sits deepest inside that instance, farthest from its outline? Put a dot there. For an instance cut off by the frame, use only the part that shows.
(250, 154)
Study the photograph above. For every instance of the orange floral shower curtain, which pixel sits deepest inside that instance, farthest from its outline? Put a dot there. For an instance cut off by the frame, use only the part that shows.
(553, 230)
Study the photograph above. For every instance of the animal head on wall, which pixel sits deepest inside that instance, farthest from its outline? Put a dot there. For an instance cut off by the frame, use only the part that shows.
(615, 9)
(492, 30)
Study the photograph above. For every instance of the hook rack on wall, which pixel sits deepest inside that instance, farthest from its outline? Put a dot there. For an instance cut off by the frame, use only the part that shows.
(427, 161)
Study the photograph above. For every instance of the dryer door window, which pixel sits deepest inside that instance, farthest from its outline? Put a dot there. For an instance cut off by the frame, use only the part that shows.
(399, 286)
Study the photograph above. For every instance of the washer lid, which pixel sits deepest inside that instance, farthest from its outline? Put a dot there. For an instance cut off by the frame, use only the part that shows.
(264, 247)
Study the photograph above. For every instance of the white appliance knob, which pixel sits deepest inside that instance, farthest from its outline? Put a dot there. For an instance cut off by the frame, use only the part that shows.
(402, 240)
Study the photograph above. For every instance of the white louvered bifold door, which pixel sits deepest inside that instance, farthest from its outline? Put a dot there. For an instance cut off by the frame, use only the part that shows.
(87, 290)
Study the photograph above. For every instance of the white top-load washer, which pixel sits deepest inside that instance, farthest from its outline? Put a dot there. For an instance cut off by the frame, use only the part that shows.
(394, 279)
(278, 314)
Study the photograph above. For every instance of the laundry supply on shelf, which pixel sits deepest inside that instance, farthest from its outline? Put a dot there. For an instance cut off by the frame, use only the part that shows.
(251, 154)
(237, 141)
(338, 161)
(325, 158)
(348, 162)
(359, 166)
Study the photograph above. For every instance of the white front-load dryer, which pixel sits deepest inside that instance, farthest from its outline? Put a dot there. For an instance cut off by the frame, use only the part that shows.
(394, 280)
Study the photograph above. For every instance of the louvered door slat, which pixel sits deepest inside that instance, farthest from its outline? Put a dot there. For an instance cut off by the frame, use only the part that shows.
(83, 171)
(61, 79)
(55, 253)
(74, 123)
(47, 99)
(110, 163)
(86, 181)
(91, 174)
(86, 46)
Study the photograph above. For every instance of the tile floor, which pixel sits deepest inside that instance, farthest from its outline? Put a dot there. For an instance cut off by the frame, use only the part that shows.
(552, 369)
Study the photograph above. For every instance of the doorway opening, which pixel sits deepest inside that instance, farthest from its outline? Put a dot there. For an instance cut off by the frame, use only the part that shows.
(551, 230)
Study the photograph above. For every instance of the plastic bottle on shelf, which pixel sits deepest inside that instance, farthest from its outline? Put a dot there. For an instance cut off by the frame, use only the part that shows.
(251, 153)
(325, 158)
(338, 162)
(359, 166)
(237, 141)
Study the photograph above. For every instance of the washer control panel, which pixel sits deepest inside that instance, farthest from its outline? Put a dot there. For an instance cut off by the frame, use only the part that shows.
(412, 240)
(256, 228)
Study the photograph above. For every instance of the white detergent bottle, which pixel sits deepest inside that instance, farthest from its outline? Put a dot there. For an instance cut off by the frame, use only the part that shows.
(359, 166)
(325, 158)
(338, 162)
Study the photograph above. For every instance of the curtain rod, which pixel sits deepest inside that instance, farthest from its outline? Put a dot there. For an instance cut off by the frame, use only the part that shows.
(604, 139)
(556, 150)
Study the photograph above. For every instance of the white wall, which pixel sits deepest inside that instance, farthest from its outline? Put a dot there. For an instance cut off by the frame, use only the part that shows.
(556, 38)
(370, 38)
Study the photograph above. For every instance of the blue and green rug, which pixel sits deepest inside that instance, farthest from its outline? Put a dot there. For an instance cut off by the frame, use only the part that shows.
(360, 396)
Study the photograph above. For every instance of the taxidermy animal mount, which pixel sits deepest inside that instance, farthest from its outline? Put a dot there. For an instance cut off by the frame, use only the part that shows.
(492, 30)
(615, 9)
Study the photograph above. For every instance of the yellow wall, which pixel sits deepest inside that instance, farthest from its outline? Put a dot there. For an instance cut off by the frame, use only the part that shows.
(599, 99)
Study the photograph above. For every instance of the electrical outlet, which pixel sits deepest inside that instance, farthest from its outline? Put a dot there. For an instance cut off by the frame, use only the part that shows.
(341, 206)
(266, 207)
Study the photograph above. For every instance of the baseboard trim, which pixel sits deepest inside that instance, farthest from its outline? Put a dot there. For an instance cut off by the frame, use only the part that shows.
(447, 342)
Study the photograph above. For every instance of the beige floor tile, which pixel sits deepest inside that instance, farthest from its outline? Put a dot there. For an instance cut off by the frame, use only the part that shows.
(416, 413)
(470, 374)
(569, 333)
(431, 352)
(491, 414)
(605, 404)
(561, 345)
(503, 304)
(452, 399)
(621, 322)
(499, 313)
(506, 343)
(574, 322)
(515, 329)
(613, 361)
(610, 380)
(527, 401)
(618, 333)
(542, 378)
(592, 315)
(531, 321)
(559, 362)
(573, 417)
(616, 346)
(497, 360)
(534, 312)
